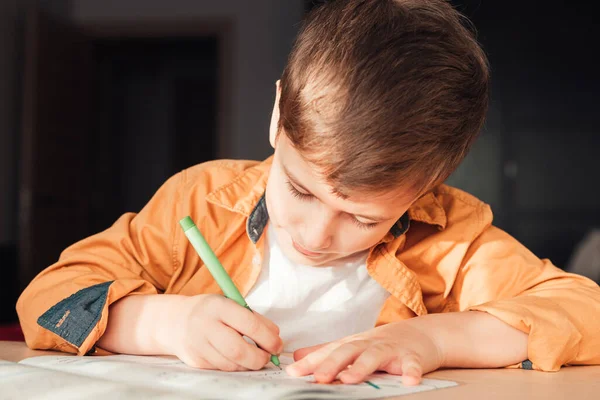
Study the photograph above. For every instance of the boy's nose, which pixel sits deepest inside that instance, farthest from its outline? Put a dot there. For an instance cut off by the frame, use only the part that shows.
(318, 234)
(316, 242)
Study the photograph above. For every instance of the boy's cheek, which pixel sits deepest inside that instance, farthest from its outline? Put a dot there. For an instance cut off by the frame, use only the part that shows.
(283, 211)
(274, 211)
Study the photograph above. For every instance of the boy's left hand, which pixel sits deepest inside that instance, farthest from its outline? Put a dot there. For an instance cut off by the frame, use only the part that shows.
(397, 348)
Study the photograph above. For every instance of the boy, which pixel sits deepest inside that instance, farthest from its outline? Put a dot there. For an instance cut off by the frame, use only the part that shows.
(347, 227)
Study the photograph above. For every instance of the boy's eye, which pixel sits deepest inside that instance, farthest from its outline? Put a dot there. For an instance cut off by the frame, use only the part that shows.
(307, 197)
(296, 193)
(363, 225)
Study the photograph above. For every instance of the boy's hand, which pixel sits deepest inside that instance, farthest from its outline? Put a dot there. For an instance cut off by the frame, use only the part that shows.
(207, 333)
(397, 348)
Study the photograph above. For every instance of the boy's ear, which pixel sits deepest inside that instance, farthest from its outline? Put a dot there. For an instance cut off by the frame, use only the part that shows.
(275, 116)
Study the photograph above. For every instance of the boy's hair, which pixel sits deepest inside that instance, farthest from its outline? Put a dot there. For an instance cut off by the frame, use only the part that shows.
(384, 93)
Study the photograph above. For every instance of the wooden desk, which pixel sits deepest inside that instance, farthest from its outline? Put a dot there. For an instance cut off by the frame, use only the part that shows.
(572, 383)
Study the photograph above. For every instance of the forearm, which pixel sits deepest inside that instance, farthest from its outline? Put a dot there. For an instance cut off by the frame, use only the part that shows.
(141, 324)
(473, 339)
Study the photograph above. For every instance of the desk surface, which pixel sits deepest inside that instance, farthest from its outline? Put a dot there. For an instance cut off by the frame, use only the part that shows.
(575, 383)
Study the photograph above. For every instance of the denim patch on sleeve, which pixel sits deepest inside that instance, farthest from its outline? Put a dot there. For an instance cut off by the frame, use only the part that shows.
(74, 317)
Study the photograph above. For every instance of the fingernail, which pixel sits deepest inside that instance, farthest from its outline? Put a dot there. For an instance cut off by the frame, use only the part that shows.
(411, 381)
(291, 370)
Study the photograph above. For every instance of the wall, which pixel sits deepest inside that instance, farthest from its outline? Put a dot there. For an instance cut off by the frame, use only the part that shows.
(8, 119)
(11, 59)
(262, 37)
(481, 172)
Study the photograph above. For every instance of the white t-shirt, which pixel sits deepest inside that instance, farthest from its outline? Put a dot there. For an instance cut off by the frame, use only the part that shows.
(313, 305)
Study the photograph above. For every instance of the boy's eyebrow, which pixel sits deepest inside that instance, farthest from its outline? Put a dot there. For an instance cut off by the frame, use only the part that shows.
(374, 218)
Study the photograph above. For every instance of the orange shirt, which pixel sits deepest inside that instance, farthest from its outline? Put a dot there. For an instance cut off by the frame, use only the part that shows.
(444, 255)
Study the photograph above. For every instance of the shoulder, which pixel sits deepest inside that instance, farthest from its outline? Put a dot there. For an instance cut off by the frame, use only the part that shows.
(211, 175)
(461, 207)
(189, 189)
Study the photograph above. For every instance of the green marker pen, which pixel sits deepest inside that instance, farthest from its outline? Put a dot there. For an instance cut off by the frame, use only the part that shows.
(215, 268)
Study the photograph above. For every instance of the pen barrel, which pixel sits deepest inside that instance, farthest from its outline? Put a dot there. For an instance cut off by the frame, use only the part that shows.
(215, 267)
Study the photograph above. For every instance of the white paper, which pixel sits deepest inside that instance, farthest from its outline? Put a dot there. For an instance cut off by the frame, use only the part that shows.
(25, 382)
(171, 374)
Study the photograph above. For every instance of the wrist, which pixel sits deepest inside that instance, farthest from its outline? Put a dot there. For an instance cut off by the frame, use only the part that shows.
(435, 332)
(142, 324)
(167, 322)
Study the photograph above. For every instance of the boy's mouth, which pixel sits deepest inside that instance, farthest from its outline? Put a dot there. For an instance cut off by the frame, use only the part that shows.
(302, 250)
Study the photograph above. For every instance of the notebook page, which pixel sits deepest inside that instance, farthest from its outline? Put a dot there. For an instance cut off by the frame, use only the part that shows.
(26, 382)
(271, 382)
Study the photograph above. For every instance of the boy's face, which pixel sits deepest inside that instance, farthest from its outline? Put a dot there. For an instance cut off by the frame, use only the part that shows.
(313, 225)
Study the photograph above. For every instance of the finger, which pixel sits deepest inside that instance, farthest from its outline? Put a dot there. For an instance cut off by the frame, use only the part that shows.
(196, 362)
(310, 362)
(338, 360)
(214, 357)
(195, 356)
(368, 362)
(303, 352)
(412, 371)
(270, 324)
(232, 346)
(249, 324)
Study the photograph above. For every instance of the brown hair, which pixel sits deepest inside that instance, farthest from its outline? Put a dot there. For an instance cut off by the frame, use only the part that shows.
(382, 93)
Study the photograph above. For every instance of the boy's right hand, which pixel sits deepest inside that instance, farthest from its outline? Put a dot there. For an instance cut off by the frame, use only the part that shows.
(207, 333)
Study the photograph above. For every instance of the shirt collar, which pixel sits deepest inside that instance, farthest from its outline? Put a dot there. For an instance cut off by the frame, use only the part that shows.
(428, 210)
(243, 194)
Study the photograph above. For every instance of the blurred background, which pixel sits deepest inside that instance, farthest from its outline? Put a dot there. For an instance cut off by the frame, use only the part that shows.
(102, 100)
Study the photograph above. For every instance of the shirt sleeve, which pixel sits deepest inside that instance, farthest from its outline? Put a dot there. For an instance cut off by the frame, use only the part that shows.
(559, 311)
(66, 306)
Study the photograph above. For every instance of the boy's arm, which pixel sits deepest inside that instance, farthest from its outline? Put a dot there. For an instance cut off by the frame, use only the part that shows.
(66, 306)
(414, 347)
(503, 306)
(558, 311)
